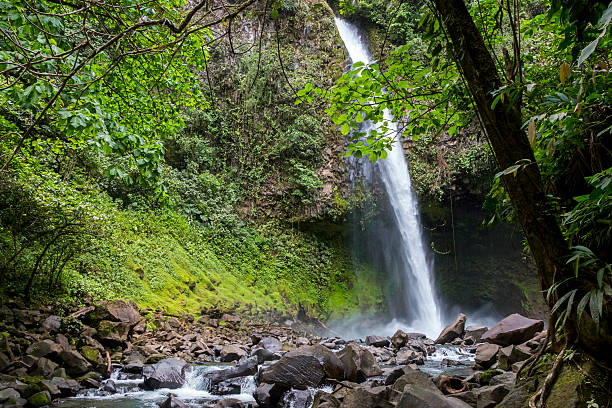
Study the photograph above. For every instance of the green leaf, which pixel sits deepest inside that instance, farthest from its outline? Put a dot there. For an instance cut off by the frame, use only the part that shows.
(581, 305)
(345, 129)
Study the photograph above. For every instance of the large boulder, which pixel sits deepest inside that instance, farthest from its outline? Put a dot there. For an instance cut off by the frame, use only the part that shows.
(116, 311)
(167, 373)
(491, 395)
(268, 395)
(407, 355)
(305, 366)
(452, 331)
(514, 329)
(359, 363)
(271, 343)
(486, 354)
(367, 397)
(74, 363)
(401, 338)
(249, 367)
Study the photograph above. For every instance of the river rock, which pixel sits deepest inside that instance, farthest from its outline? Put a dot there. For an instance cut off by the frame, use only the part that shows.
(231, 352)
(40, 399)
(510, 355)
(305, 366)
(10, 396)
(366, 397)
(323, 399)
(264, 355)
(74, 363)
(168, 373)
(116, 311)
(486, 354)
(452, 331)
(268, 395)
(514, 329)
(475, 332)
(359, 363)
(172, 402)
(249, 367)
(399, 339)
(377, 341)
(44, 368)
(408, 356)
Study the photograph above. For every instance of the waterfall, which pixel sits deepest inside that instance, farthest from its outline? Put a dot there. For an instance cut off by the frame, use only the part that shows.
(416, 306)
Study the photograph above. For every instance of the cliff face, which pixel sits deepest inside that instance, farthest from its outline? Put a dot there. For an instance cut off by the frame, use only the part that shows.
(287, 158)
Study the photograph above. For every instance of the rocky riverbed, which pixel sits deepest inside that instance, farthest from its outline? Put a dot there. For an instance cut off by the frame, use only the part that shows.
(112, 354)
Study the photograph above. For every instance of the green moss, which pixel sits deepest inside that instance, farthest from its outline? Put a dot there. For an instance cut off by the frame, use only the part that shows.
(40, 399)
(91, 354)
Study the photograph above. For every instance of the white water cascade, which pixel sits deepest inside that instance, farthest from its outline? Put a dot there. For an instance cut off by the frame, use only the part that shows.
(418, 309)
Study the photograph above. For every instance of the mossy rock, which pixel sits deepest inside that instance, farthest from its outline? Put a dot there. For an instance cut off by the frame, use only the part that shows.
(575, 385)
(92, 355)
(31, 379)
(40, 399)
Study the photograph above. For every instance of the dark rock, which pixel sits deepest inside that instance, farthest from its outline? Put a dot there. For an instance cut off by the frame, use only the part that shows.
(452, 331)
(67, 388)
(92, 355)
(514, 329)
(505, 378)
(113, 333)
(168, 373)
(171, 402)
(392, 374)
(9, 396)
(44, 348)
(490, 396)
(91, 380)
(377, 341)
(109, 386)
(486, 354)
(268, 395)
(417, 378)
(264, 355)
(512, 354)
(133, 368)
(74, 363)
(303, 367)
(231, 352)
(359, 363)
(249, 367)
(116, 311)
(475, 332)
(44, 367)
(227, 387)
(323, 399)
(469, 397)
(52, 324)
(399, 339)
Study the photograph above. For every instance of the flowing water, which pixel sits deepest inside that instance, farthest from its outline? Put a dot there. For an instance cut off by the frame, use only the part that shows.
(413, 305)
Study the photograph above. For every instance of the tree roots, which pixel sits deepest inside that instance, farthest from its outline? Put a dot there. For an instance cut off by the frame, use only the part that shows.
(539, 398)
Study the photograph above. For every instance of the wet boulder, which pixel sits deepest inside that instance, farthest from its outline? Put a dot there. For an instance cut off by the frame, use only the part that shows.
(452, 331)
(172, 402)
(486, 354)
(359, 363)
(514, 329)
(377, 341)
(270, 343)
(264, 355)
(167, 373)
(305, 366)
(249, 367)
(408, 356)
(297, 399)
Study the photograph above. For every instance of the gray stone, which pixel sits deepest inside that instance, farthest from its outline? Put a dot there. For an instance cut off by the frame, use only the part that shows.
(116, 311)
(113, 333)
(231, 352)
(475, 332)
(249, 367)
(489, 396)
(512, 354)
(270, 343)
(172, 402)
(297, 399)
(268, 395)
(74, 363)
(414, 396)
(44, 348)
(52, 324)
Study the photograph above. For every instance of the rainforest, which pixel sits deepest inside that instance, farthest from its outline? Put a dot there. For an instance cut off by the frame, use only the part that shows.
(305, 204)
